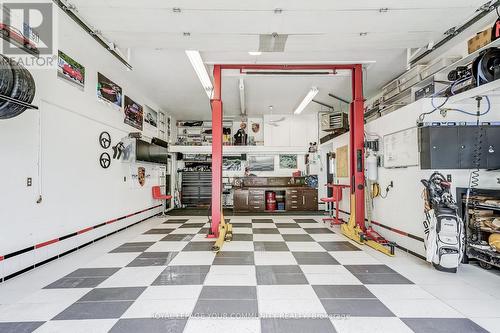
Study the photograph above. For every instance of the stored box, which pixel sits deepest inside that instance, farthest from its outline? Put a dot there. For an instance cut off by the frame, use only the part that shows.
(482, 38)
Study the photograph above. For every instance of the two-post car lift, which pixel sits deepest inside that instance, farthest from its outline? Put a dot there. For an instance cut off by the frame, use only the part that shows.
(355, 229)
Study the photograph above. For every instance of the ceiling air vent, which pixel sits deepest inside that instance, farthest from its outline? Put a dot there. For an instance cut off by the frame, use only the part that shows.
(272, 42)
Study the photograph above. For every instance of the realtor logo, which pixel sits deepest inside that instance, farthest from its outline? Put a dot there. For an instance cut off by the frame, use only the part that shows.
(28, 32)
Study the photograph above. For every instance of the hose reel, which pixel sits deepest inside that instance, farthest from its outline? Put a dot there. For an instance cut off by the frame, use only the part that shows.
(17, 88)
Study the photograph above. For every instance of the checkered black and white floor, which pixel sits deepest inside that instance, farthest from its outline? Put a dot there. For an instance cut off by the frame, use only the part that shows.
(279, 274)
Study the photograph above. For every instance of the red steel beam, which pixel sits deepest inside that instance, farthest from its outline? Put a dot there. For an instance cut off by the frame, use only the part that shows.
(357, 145)
(288, 67)
(216, 104)
(356, 134)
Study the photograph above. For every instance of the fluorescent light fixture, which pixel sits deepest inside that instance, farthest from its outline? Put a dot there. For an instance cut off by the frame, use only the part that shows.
(255, 53)
(200, 69)
(309, 97)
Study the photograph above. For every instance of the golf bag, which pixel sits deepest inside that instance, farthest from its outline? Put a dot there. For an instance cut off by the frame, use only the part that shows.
(444, 229)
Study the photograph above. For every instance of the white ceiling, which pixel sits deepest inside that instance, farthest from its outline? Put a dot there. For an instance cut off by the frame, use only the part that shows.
(225, 30)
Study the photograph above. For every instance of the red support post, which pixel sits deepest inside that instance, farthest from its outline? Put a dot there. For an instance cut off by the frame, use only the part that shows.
(357, 145)
(216, 104)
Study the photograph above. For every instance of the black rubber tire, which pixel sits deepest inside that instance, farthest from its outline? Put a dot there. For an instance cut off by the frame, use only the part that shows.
(6, 78)
(23, 89)
(485, 265)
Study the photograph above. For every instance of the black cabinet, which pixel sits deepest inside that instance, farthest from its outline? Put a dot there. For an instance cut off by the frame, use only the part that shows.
(454, 147)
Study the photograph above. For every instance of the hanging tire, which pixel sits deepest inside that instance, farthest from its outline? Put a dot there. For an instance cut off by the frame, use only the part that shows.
(6, 78)
(23, 89)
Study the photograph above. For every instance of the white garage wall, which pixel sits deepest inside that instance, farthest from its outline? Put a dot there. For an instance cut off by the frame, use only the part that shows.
(77, 193)
(403, 208)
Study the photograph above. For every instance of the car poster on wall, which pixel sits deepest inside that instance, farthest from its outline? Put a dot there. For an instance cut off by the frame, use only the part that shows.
(150, 116)
(134, 113)
(255, 132)
(70, 70)
(108, 91)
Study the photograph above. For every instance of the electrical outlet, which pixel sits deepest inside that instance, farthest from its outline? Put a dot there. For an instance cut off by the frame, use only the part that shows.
(125, 179)
(448, 178)
(391, 184)
(29, 181)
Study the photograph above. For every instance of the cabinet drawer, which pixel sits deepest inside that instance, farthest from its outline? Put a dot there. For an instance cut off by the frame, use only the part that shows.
(257, 192)
(255, 202)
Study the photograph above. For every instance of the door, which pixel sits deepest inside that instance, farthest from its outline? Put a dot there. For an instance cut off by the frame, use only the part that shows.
(467, 143)
(310, 199)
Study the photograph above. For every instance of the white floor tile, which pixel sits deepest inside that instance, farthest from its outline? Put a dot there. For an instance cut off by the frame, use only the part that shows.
(370, 325)
(65, 295)
(329, 275)
(477, 308)
(274, 258)
(83, 326)
(183, 231)
(229, 275)
(394, 291)
(312, 225)
(31, 311)
(421, 308)
(490, 324)
(238, 246)
(327, 237)
(263, 226)
(456, 292)
(243, 325)
(133, 277)
(202, 238)
(267, 238)
(240, 230)
(147, 238)
(354, 258)
(167, 247)
(292, 231)
(160, 308)
(171, 292)
(193, 258)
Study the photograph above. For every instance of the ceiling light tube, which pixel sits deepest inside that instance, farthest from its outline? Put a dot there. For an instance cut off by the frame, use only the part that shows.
(200, 69)
(309, 97)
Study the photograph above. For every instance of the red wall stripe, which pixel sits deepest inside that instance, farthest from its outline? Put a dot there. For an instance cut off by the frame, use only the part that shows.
(55, 240)
(52, 241)
(85, 230)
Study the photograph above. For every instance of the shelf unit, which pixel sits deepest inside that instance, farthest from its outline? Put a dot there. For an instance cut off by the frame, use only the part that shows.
(477, 246)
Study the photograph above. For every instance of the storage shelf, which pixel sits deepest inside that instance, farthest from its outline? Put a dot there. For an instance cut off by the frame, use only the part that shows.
(488, 89)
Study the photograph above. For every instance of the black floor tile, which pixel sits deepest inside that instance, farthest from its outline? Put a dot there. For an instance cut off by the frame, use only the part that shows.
(182, 275)
(301, 325)
(366, 269)
(280, 275)
(339, 246)
(153, 259)
(20, 327)
(93, 272)
(234, 258)
(318, 231)
(342, 291)
(262, 221)
(390, 278)
(192, 225)
(229, 308)
(150, 325)
(265, 231)
(314, 258)
(287, 225)
(94, 310)
(198, 246)
(112, 294)
(82, 282)
(305, 220)
(177, 238)
(297, 238)
(229, 292)
(158, 231)
(443, 325)
(176, 221)
(242, 237)
(356, 307)
(270, 246)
